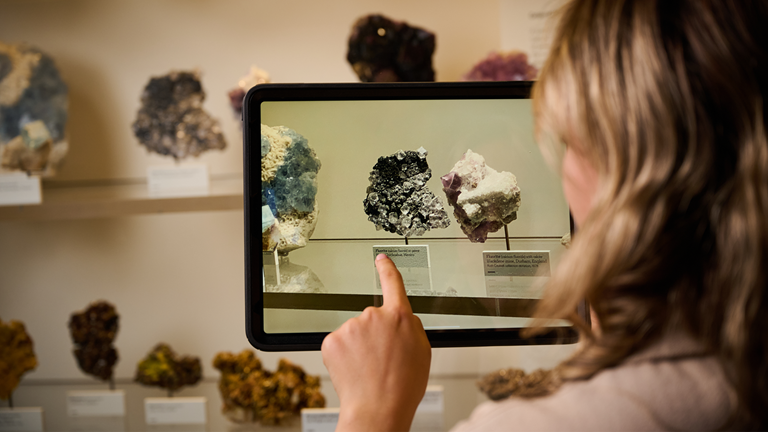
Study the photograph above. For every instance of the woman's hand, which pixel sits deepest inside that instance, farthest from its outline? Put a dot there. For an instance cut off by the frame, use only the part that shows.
(379, 361)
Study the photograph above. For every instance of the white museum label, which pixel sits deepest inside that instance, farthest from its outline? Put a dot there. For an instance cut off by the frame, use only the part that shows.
(96, 403)
(178, 181)
(428, 414)
(319, 419)
(516, 263)
(412, 261)
(175, 410)
(515, 274)
(433, 401)
(21, 419)
(19, 189)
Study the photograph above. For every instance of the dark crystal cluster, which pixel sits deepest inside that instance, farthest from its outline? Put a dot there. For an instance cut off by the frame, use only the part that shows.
(93, 331)
(251, 393)
(383, 50)
(171, 120)
(398, 199)
(163, 368)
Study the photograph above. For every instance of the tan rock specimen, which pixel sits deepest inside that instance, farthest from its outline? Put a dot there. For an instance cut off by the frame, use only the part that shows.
(254, 394)
(17, 356)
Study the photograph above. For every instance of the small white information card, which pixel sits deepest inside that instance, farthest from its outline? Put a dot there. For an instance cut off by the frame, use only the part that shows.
(432, 402)
(19, 189)
(429, 414)
(319, 419)
(516, 274)
(413, 263)
(21, 419)
(96, 403)
(176, 410)
(178, 181)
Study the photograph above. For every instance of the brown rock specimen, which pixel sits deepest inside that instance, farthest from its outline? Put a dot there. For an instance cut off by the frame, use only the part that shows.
(515, 382)
(17, 356)
(252, 393)
(93, 331)
(163, 368)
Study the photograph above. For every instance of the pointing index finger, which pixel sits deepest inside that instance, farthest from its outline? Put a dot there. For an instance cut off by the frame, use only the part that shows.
(392, 287)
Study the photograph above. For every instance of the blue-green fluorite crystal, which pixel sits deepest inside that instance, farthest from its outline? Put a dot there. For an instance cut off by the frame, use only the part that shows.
(295, 184)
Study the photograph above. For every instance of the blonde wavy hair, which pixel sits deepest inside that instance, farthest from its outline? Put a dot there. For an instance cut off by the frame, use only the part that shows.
(666, 99)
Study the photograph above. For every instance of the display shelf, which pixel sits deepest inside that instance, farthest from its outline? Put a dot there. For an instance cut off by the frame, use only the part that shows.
(86, 200)
(460, 393)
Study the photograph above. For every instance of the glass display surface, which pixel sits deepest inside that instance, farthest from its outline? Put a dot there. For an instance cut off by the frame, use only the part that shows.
(456, 280)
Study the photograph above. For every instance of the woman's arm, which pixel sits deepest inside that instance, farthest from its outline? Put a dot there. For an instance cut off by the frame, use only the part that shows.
(379, 361)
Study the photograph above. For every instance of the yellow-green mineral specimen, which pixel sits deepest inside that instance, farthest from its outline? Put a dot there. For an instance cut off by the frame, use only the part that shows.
(163, 368)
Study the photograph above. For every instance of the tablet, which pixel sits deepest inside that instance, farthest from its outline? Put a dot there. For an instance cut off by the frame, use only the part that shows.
(444, 178)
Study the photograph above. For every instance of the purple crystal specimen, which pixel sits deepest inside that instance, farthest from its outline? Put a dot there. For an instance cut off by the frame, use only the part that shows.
(383, 50)
(483, 199)
(511, 66)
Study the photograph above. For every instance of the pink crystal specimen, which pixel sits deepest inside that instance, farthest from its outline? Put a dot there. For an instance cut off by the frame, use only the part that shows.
(483, 199)
(499, 66)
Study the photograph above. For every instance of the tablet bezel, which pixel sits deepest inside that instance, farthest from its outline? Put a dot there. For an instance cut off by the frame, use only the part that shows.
(254, 290)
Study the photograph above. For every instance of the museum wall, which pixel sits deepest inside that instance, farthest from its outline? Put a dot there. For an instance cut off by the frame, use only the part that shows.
(178, 278)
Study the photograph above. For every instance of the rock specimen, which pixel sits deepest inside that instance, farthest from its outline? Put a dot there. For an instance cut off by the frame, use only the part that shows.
(171, 120)
(254, 394)
(499, 66)
(398, 199)
(165, 369)
(483, 199)
(289, 170)
(566, 240)
(295, 278)
(383, 50)
(515, 382)
(33, 111)
(236, 95)
(17, 356)
(93, 331)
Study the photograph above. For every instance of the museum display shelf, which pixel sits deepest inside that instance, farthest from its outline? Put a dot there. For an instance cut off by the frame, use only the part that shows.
(460, 398)
(98, 199)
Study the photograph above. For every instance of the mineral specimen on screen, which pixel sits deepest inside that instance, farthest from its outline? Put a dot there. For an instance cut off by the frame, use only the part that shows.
(500, 66)
(93, 331)
(566, 240)
(17, 356)
(516, 382)
(483, 199)
(383, 50)
(251, 393)
(165, 369)
(171, 120)
(398, 200)
(288, 188)
(33, 111)
(295, 278)
(255, 76)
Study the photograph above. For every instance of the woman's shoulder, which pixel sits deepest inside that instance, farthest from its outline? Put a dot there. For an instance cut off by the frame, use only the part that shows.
(670, 385)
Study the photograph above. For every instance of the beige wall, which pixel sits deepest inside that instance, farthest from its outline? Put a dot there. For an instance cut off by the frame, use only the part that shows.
(179, 278)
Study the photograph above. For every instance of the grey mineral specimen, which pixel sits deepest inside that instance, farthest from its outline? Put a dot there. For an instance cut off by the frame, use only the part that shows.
(398, 199)
(289, 170)
(33, 111)
(483, 199)
(171, 120)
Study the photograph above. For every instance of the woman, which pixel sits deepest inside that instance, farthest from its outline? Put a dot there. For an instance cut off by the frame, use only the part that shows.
(660, 106)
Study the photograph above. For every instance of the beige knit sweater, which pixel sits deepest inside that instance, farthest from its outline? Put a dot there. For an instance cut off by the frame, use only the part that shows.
(669, 386)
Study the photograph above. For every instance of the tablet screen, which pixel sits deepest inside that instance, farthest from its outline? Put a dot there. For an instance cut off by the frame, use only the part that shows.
(447, 181)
